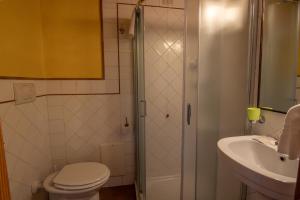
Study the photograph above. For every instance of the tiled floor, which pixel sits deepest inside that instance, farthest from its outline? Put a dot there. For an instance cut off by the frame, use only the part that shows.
(118, 193)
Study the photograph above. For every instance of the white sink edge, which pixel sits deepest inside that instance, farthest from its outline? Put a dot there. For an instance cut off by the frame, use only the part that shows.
(275, 194)
(273, 176)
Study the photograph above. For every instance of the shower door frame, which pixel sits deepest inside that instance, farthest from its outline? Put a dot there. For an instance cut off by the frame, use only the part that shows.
(190, 101)
(139, 100)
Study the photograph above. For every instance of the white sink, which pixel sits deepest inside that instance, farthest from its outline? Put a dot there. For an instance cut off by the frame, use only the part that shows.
(260, 166)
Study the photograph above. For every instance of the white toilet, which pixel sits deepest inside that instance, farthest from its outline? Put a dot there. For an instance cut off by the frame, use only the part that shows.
(79, 181)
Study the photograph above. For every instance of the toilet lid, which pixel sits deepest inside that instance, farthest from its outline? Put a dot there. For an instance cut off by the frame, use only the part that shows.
(81, 174)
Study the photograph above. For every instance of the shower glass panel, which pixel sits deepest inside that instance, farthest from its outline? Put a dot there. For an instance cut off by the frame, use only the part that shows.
(157, 48)
(223, 68)
(163, 40)
(216, 92)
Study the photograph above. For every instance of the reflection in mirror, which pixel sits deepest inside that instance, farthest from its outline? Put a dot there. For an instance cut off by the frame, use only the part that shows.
(279, 55)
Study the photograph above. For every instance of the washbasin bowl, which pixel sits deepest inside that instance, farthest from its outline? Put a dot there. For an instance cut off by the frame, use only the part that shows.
(256, 163)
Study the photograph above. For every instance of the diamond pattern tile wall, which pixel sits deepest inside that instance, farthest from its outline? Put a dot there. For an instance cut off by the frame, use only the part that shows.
(25, 130)
(164, 80)
(87, 122)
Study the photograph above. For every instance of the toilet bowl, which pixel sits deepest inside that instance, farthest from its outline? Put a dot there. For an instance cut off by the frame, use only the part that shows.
(79, 181)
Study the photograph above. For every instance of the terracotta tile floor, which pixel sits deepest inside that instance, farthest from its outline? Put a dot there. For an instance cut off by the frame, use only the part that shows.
(118, 193)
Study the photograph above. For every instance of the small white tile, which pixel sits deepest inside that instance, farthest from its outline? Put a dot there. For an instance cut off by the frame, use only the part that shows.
(12, 116)
(110, 30)
(55, 112)
(114, 181)
(57, 140)
(56, 126)
(74, 124)
(98, 86)
(68, 87)
(109, 13)
(59, 163)
(55, 100)
(58, 153)
(83, 87)
(6, 90)
(75, 142)
(129, 179)
(110, 59)
(73, 105)
(111, 44)
(112, 86)
(112, 73)
(41, 87)
(54, 87)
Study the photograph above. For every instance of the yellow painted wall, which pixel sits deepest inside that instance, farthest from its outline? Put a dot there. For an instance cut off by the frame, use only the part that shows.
(20, 38)
(72, 38)
(51, 39)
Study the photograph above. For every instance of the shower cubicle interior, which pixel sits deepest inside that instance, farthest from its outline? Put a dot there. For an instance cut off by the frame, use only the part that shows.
(157, 54)
(177, 158)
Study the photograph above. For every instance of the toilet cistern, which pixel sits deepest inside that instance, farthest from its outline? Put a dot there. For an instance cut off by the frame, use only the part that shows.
(289, 143)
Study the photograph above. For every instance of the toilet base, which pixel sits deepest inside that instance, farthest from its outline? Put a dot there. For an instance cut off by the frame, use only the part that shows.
(90, 196)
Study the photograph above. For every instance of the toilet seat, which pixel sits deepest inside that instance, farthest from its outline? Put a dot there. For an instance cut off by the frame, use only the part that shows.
(76, 183)
(80, 176)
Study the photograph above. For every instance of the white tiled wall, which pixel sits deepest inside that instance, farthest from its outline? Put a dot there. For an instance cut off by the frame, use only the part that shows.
(25, 130)
(164, 82)
(78, 125)
(273, 125)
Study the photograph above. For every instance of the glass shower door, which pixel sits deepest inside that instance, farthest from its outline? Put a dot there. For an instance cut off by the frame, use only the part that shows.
(158, 82)
(216, 94)
(163, 38)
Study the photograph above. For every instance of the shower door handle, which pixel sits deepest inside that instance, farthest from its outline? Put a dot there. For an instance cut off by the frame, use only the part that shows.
(189, 114)
(143, 108)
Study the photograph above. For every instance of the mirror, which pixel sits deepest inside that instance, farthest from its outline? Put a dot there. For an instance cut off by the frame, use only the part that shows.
(279, 56)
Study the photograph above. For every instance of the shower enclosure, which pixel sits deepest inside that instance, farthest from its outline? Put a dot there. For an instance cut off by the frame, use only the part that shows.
(158, 82)
(186, 100)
